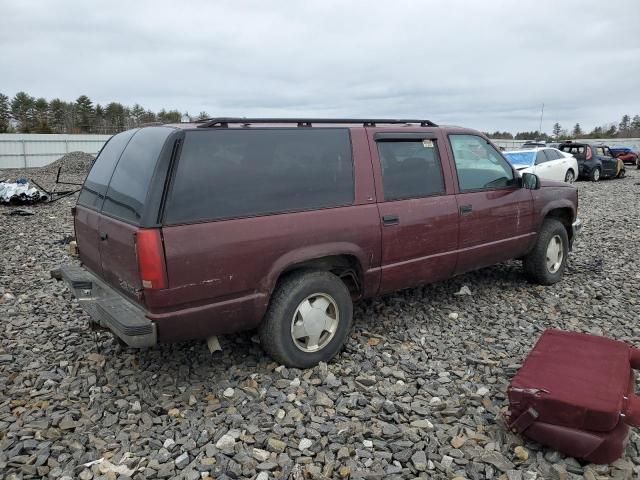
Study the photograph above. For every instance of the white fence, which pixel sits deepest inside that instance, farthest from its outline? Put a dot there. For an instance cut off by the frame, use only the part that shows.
(25, 150)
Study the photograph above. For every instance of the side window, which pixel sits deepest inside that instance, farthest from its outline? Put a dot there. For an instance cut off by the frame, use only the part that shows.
(95, 186)
(410, 169)
(234, 173)
(130, 183)
(479, 165)
(541, 157)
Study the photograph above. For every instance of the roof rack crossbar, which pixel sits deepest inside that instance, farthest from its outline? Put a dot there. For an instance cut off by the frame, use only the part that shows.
(223, 122)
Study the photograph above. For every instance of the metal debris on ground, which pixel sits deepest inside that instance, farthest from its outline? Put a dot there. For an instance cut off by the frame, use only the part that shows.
(23, 212)
(20, 193)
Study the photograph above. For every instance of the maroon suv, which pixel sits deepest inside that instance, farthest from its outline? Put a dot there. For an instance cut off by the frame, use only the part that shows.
(193, 230)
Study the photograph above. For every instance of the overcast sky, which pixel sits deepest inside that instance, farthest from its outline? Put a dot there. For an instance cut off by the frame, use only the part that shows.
(486, 64)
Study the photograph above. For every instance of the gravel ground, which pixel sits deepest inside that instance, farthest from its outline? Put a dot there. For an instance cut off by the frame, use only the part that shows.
(417, 392)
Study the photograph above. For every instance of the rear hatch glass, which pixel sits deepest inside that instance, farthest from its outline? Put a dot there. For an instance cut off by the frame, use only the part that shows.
(127, 192)
(95, 186)
(115, 192)
(577, 151)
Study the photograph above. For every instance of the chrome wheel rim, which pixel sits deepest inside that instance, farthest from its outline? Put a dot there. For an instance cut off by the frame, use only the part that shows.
(555, 254)
(596, 174)
(569, 177)
(315, 322)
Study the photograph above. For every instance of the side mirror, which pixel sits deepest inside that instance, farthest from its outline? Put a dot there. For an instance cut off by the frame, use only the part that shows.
(530, 181)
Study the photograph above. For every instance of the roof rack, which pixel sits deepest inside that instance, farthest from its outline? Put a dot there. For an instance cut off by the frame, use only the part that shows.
(223, 122)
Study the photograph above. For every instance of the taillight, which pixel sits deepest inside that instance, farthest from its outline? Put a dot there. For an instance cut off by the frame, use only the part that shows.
(151, 265)
(589, 153)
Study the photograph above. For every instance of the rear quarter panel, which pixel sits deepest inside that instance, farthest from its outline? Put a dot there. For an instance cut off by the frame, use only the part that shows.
(221, 273)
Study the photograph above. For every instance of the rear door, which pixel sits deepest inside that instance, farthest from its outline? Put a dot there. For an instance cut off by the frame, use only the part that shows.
(557, 164)
(418, 211)
(609, 164)
(124, 206)
(87, 216)
(496, 214)
(544, 167)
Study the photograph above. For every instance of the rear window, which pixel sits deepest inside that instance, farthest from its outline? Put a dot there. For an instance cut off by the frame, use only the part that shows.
(520, 159)
(240, 173)
(575, 150)
(129, 185)
(95, 186)
(410, 169)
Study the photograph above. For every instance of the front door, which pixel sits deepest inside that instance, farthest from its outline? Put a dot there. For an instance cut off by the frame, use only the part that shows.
(418, 211)
(496, 214)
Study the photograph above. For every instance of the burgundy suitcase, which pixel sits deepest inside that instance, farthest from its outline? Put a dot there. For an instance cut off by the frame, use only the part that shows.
(576, 393)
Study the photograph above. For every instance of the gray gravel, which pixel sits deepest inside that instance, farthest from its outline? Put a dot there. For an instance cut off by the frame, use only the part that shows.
(417, 392)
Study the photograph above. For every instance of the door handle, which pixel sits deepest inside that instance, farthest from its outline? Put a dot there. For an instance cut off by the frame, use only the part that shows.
(466, 209)
(103, 236)
(390, 220)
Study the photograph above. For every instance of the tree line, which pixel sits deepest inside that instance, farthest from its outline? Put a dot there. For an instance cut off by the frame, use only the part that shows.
(628, 127)
(26, 114)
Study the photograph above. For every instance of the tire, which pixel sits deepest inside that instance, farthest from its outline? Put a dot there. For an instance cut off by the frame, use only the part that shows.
(569, 177)
(309, 291)
(595, 174)
(622, 173)
(537, 264)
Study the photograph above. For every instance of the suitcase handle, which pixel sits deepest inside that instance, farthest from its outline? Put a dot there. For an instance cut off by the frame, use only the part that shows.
(631, 412)
(634, 358)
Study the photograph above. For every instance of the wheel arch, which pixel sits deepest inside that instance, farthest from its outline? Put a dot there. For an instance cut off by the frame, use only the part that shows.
(346, 262)
(565, 215)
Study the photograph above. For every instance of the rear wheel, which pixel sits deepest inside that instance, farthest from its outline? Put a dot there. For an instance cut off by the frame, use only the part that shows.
(570, 176)
(595, 174)
(308, 319)
(545, 264)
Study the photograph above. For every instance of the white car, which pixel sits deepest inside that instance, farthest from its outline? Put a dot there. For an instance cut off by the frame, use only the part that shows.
(549, 163)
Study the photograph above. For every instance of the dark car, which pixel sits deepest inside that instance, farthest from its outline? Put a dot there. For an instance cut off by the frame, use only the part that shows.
(594, 161)
(194, 230)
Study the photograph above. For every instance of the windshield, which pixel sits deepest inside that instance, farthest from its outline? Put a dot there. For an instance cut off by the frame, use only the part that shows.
(521, 159)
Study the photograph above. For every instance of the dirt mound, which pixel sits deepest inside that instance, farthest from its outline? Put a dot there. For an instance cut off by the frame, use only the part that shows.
(71, 163)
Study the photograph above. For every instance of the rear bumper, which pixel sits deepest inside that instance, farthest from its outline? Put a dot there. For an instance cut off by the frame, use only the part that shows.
(109, 308)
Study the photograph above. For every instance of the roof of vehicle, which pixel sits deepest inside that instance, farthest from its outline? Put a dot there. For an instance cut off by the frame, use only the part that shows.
(578, 144)
(242, 122)
(532, 149)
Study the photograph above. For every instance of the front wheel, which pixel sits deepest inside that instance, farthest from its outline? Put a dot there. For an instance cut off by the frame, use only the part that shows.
(595, 174)
(569, 177)
(622, 173)
(545, 264)
(308, 319)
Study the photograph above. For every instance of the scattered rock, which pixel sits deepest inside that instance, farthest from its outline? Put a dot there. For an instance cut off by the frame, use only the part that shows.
(419, 460)
(304, 444)
(497, 460)
(226, 443)
(182, 461)
(411, 382)
(521, 453)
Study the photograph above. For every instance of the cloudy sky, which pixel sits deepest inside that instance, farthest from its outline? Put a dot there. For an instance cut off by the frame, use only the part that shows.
(484, 64)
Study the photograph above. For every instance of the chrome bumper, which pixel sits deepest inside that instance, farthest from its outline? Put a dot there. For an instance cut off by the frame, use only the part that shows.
(576, 228)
